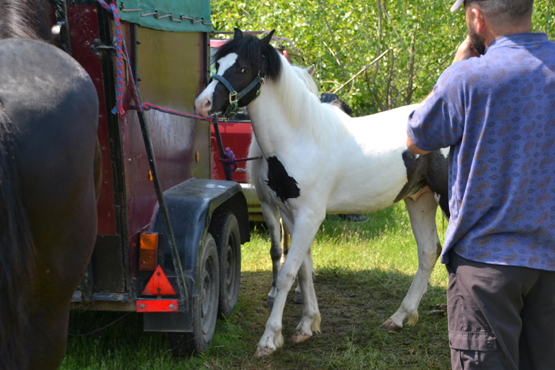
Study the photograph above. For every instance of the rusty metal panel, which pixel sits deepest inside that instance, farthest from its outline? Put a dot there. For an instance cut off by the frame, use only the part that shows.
(170, 71)
(84, 29)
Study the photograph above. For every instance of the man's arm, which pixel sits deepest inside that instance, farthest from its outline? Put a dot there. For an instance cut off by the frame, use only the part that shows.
(464, 51)
(413, 148)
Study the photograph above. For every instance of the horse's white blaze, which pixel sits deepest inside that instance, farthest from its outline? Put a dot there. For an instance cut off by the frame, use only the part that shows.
(203, 102)
(226, 62)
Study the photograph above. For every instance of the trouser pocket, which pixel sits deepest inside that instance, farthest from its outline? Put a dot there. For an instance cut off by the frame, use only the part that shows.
(473, 350)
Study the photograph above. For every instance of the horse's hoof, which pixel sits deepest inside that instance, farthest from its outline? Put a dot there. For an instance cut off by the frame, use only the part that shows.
(270, 302)
(263, 352)
(390, 325)
(298, 298)
(299, 337)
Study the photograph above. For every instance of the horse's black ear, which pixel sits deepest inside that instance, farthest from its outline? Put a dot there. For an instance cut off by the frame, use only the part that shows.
(266, 40)
(238, 34)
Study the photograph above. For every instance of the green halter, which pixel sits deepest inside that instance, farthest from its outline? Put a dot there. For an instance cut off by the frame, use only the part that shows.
(234, 96)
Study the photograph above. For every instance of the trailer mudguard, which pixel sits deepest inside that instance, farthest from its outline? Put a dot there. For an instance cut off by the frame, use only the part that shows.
(190, 206)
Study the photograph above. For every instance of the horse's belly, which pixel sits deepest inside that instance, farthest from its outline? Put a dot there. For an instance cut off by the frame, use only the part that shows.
(368, 187)
(360, 199)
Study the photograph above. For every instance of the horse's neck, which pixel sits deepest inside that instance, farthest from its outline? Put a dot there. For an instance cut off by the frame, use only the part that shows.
(25, 19)
(286, 109)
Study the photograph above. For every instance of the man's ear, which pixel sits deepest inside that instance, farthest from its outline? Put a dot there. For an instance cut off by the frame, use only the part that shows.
(478, 20)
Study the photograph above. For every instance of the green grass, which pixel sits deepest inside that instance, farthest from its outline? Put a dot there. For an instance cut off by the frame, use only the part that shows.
(363, 271)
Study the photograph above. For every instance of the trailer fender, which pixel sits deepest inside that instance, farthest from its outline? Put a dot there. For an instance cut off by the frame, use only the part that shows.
(190, 206)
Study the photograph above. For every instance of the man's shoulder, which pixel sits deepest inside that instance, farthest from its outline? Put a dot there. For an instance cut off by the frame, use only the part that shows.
(460, 73)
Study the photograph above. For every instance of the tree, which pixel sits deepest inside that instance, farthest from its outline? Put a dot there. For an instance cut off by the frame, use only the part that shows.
(417, 39)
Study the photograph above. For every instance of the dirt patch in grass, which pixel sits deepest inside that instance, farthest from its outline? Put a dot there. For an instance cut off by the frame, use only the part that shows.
(353, 305)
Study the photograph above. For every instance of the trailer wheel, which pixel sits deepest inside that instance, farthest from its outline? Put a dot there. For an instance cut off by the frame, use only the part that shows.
(225, 229)
(205, 306)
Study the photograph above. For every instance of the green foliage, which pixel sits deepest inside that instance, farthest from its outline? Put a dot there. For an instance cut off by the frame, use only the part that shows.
(342, 37)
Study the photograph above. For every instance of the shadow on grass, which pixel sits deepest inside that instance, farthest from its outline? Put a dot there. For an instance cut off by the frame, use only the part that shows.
(352, 304)
(391, 219)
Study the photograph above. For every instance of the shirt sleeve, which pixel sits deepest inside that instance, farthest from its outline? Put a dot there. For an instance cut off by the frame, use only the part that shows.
(439, 122)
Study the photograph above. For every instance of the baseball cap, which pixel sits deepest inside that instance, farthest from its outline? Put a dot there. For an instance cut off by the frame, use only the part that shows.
(456, 6)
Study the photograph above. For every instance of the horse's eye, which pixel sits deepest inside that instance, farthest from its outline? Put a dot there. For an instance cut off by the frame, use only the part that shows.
(244, 70)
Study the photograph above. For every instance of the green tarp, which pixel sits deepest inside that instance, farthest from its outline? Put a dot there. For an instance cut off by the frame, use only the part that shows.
(168, 15)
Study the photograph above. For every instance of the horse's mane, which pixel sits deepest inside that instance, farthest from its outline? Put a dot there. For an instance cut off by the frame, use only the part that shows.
(307, 79)
(304, 110)
(255, 51)
(25, 19)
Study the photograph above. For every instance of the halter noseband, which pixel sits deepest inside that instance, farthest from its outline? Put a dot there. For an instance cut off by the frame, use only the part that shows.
(234, 96)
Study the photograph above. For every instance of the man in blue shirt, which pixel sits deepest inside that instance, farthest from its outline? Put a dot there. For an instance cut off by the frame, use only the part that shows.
(495, 108)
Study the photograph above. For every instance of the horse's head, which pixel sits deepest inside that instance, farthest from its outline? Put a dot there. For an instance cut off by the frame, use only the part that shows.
(242, 64)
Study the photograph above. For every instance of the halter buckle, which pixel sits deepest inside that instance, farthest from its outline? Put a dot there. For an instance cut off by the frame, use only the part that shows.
(233, 97)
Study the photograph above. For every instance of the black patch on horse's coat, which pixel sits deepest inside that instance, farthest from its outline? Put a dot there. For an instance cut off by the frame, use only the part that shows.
(431, 170)
(280, 182)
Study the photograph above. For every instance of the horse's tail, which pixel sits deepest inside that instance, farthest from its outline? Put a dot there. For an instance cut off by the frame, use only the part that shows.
(17, 253)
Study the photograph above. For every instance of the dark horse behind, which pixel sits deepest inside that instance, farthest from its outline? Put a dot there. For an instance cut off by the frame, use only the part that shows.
(48, 124)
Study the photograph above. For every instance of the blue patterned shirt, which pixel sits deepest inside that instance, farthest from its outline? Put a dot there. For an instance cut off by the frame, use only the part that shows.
(497, 114)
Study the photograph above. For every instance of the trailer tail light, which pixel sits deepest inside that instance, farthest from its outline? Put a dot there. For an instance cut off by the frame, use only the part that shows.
(157, 305)
(148, 251)
(159, 284)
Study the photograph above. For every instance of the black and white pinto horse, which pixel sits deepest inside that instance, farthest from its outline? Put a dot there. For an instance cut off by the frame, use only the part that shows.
(270, 208)
(318, 160)
(48, 182)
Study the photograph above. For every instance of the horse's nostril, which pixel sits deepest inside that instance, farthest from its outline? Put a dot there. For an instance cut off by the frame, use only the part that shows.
(203, 106)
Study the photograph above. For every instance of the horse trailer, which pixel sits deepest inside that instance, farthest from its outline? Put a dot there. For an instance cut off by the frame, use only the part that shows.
(169, 237)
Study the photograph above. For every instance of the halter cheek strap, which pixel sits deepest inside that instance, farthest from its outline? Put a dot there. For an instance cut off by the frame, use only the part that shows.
(234, 96)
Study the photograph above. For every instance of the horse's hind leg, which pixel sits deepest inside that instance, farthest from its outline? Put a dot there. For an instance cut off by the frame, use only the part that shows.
(422, 213)
(272, 217)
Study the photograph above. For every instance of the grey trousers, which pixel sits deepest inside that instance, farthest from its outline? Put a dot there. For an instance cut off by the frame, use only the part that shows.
(500, 317)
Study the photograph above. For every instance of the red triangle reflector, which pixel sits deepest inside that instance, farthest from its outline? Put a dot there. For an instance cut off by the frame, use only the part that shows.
(158, 284)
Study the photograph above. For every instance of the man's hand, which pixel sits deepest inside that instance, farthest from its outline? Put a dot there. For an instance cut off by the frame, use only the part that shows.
(465, 51)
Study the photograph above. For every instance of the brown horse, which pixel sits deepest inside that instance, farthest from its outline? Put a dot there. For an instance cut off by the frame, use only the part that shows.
(48, 123)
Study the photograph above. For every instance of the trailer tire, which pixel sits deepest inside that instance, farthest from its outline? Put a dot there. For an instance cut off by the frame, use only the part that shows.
(225, 229)
(205, 306)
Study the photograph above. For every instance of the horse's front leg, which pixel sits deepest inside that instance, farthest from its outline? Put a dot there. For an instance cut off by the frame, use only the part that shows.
(422, 214)
(306, 226)
(311, 319)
